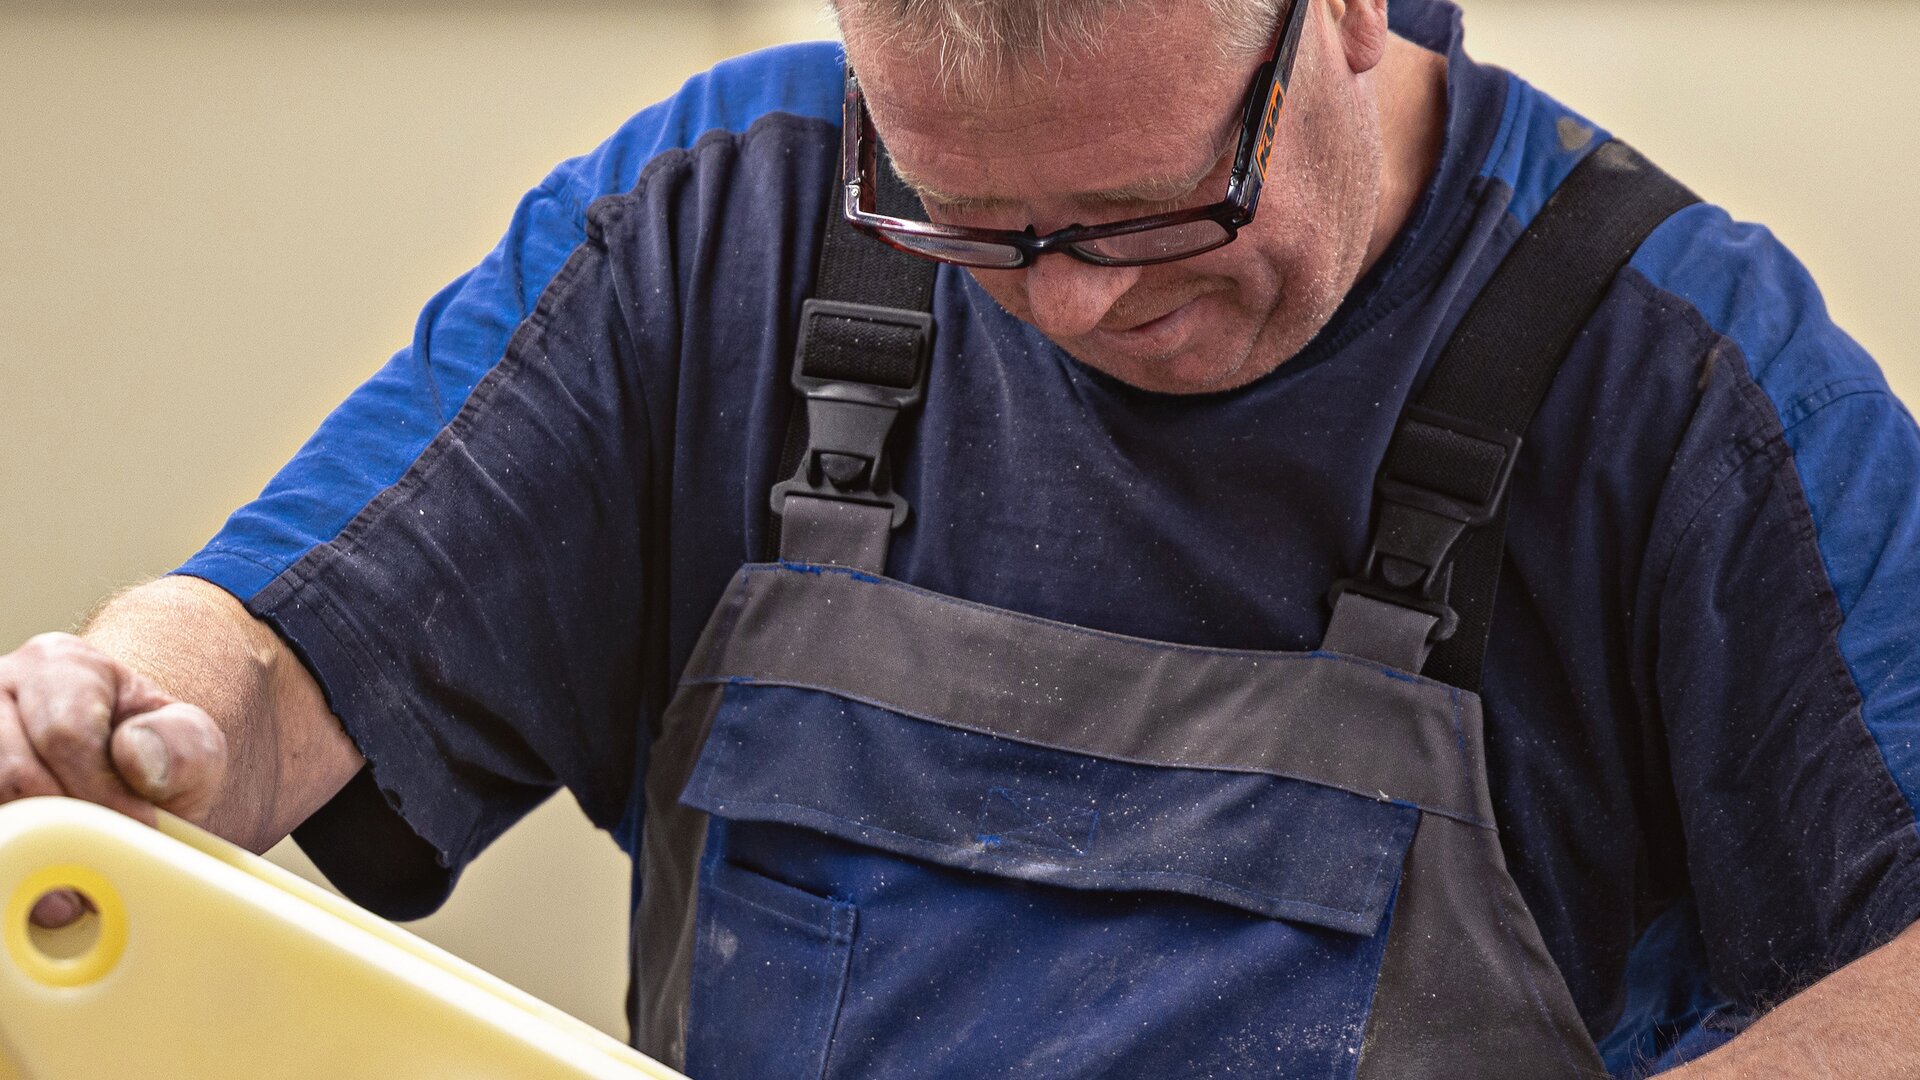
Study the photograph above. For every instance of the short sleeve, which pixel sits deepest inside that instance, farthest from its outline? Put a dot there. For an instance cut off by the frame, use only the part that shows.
(1788, 671)
(476, 624)
(470, 553)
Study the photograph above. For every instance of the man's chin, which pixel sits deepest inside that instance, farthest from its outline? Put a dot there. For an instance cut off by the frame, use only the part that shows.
(1192, 370)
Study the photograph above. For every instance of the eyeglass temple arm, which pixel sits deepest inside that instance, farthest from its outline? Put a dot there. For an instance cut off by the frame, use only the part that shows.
(1266, 99)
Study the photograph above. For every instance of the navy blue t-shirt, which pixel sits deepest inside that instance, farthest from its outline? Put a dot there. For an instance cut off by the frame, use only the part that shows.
(1703, 682)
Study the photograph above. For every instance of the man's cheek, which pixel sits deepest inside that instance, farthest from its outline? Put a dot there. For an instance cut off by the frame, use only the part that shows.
(1007, 287)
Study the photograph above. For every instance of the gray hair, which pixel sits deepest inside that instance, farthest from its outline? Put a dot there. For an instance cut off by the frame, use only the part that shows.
(980, 41)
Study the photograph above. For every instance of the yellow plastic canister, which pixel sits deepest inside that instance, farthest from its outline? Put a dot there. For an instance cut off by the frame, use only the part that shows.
(205, 962)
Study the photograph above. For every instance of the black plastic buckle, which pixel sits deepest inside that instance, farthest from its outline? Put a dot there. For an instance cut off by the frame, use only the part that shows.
(1410, 557)
(848, 422)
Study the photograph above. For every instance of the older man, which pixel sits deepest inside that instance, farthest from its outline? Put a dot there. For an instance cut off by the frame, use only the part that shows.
(1054, 776)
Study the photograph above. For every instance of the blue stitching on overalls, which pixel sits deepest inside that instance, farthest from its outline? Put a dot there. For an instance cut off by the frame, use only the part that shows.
(1393, 673)
(1073, 843)
(819, 569)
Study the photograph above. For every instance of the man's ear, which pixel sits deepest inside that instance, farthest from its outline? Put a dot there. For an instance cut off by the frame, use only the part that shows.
(1362, 27)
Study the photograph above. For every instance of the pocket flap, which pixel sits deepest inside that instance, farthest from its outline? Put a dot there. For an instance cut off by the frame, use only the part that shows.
(1270, 845)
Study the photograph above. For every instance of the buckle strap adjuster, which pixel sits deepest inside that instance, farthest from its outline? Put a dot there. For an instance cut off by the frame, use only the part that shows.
(1442, 475)
(851, 367)
(1449, 466)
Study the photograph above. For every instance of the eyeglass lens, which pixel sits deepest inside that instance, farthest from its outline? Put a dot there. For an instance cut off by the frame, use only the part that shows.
(1155, 245)
(981, 253)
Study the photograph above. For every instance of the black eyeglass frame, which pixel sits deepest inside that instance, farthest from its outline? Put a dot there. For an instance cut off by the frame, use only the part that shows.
(1266, 99)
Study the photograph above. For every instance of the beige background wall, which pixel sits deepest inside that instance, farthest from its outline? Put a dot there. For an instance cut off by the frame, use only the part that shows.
(216, 218)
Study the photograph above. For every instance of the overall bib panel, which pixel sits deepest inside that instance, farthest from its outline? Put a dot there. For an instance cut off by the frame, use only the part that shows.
(916, 836)
(1045, 913)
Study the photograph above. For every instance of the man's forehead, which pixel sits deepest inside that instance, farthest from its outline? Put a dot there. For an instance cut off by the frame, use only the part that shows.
(1096, 128)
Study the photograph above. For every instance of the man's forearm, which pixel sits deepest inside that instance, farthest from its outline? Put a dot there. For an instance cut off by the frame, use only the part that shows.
(1860, 1023)
(286, 754)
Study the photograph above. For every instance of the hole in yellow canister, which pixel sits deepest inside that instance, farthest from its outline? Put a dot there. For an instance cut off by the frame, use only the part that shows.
(78, 954)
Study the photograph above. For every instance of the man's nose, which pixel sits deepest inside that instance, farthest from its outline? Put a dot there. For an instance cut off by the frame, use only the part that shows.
(1067, 298)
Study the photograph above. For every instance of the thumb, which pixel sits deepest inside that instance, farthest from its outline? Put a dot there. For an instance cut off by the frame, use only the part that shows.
(175, 757)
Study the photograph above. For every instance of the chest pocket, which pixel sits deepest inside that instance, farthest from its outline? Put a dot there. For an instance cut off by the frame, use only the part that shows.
(884, 895)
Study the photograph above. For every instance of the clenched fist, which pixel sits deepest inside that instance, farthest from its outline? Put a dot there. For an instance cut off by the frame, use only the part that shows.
(75, 721)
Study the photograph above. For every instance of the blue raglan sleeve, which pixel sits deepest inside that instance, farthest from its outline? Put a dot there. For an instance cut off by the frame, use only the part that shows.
(460, 553)
(1785, 638)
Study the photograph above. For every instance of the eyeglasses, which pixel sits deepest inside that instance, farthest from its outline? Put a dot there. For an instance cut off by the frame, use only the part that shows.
(1139, 241)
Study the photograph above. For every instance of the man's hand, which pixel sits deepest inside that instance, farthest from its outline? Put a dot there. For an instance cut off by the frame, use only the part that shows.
(75, 721)
(176, 698)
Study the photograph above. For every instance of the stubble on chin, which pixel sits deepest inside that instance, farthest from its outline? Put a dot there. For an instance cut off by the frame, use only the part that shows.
(1202, 368)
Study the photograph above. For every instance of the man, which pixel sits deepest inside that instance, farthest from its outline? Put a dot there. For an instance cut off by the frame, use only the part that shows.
(493, 564)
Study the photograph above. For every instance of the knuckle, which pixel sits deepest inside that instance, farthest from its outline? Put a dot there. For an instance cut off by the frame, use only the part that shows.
(58, 657)
(197, 731)
(20, 779)
(75, 745)
(53, 646)
(74, 710)
(211, 738)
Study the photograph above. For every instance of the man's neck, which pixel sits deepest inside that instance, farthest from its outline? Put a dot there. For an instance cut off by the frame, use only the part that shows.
(1413, 125)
